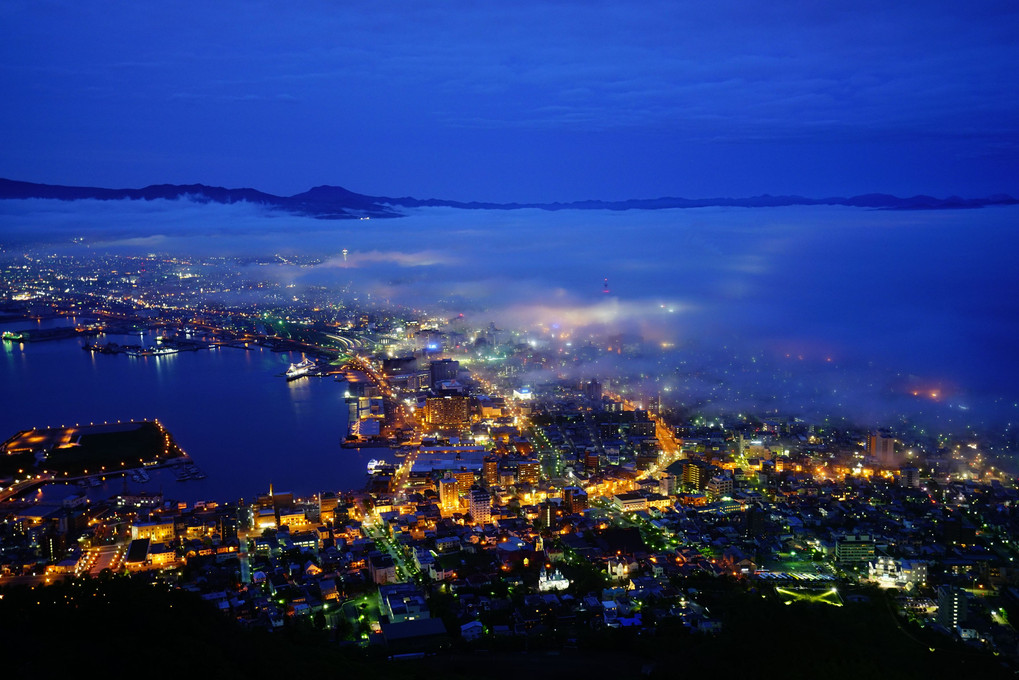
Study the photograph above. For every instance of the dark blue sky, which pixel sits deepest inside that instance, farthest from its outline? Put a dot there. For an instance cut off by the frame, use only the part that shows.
(526, 101)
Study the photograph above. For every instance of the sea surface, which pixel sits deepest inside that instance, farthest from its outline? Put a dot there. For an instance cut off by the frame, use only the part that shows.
(231, 410)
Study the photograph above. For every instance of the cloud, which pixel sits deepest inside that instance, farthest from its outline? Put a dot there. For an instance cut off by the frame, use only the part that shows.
(147, 242)
(609, 314)
(804, 309)
(355, 260)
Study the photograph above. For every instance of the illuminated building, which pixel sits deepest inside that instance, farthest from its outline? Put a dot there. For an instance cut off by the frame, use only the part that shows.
(548, 513)
(890, 572)
(491, 471)
(523, 394)
(327, 505)
(620, 567)
(613, 481)
(882, 449)
(695, 473)
(667, 484)
(661, 502)
(360, 408)
(718, 487)
(574, 499)
(143, 553)
(952, 606)
(292, 518)
(447, 544)
(465, 479)
(449, 499)
(699, 500)
(481, 506)
(553, 581)
(451, 411)
(402, 602)
(156, 531)
(854, 548)
(369, 428)
(161, 554)
(528, 472)
(265, 518)
(440, 458)
(493, 407)
(630, 502)
(910, 476)
(137, 553)
(382, 568)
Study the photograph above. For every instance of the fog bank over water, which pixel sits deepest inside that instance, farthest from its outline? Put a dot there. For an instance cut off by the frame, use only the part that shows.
(854, 309)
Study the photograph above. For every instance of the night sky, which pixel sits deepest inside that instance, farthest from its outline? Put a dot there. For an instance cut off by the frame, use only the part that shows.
(525, 101)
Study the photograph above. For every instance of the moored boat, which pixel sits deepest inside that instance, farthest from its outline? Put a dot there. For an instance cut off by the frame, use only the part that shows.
(300, 369)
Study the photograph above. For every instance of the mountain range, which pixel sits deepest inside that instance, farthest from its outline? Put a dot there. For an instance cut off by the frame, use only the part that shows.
(330, 202)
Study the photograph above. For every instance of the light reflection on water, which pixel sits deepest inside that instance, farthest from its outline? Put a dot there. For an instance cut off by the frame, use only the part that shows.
(243, 424)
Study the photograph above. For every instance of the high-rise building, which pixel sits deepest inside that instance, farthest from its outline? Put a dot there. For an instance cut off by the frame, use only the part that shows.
(910, 476)
(718, 487)
(952, 607)
(667, 484)
(528, 472)
(327, 501)
(574, 499)
(881, 447)
(490, 471)
(547, 513)
(696, 474)
(397, 365)
(445, 369)
(448, 496)
(854, 548)
(465, 479)
(450, 411)
(481, 506)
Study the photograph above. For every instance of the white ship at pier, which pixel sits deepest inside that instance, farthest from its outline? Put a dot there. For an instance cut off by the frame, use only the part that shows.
(300, 369)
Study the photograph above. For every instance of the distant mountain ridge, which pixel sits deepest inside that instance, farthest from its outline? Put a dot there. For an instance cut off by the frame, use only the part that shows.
(330, 202)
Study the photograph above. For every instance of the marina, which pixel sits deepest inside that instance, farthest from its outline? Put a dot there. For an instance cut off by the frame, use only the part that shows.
(188, 472)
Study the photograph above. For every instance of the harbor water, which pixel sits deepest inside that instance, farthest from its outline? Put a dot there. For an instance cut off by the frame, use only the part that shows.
(230, 409)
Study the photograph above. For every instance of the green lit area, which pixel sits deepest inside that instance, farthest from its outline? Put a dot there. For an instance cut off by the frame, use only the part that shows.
(828, 596)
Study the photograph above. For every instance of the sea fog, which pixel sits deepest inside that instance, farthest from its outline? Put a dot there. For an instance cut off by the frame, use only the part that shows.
(875, 316)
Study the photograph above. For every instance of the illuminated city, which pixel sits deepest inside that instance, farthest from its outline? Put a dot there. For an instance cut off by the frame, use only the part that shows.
(530, 504)
(528, 340)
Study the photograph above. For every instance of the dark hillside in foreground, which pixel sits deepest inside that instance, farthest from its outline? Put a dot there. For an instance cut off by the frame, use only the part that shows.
(133, 623)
